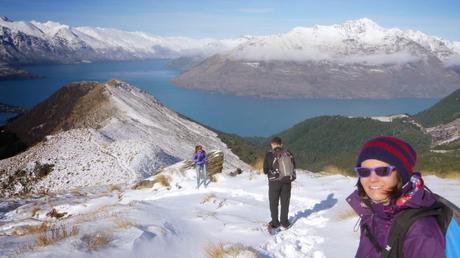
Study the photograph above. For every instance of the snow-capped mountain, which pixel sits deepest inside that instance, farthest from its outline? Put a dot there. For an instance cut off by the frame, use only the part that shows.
(356, 59)
(35, 42)
(91, 134)
(353, 41)
(356, 41)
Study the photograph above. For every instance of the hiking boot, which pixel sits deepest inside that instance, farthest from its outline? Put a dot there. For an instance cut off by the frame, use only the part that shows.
(286, 225)
(270, 225)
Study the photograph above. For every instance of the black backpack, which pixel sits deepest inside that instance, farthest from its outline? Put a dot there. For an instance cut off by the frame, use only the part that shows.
(447, 215)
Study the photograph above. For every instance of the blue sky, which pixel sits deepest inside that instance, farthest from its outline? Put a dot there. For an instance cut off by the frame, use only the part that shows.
(223, 19)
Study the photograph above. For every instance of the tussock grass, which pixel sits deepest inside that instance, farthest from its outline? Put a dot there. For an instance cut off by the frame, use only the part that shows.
(258, 166)
(334, 170)
(55, 214)
(34, 210)
(56, 233)
(213, 178)
(221, 250)
(96, 241)
(445, 174)
(122, 223)
(162, 180)
(114, 188)
(211, 197)
(31, 229)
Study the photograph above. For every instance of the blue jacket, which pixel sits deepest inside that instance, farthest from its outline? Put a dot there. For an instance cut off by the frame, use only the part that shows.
(200, 158)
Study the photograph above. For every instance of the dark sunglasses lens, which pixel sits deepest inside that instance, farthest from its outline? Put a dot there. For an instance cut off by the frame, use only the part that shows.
(363, 172)
(383, 171)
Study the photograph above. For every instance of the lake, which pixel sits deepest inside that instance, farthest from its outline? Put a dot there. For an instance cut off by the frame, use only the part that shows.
(246, 116)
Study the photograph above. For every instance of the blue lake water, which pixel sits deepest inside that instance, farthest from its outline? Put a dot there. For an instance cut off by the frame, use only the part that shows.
(246, 116)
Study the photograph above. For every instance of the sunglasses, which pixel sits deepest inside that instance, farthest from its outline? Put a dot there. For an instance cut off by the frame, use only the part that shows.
(379, 171)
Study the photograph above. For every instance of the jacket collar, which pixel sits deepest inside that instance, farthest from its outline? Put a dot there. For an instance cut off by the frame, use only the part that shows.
(413, 195)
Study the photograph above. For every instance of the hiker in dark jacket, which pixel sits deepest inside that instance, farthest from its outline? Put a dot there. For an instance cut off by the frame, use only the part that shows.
(386, 186)
(199, 159)
(278, 190)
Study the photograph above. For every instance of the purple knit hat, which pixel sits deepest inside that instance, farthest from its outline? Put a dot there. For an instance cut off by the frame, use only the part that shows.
(391, 150)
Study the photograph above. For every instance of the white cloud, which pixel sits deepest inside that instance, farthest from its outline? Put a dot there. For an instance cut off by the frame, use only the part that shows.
(380, 59)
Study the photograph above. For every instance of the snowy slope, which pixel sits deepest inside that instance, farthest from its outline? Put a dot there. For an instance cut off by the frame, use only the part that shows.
(139, 137)
(180, 221)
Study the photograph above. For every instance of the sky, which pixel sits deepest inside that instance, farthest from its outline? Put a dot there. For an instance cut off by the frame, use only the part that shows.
(235, 18)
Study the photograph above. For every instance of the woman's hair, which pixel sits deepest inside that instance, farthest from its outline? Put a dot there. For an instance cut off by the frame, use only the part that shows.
(198, 148)
(394, 193)
(276, 140)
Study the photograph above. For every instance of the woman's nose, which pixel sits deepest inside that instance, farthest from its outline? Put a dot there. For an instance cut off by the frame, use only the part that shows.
(373, 177)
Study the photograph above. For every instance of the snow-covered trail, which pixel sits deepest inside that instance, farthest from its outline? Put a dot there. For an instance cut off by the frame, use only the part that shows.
(182, 221)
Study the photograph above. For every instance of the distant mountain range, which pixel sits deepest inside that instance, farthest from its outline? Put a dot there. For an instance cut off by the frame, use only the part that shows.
(356, 59)
(34, 42)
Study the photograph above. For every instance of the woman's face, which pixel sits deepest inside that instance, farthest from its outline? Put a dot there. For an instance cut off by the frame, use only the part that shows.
(376, 187)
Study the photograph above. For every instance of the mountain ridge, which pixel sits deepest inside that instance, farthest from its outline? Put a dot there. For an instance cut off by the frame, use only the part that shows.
(92, 133)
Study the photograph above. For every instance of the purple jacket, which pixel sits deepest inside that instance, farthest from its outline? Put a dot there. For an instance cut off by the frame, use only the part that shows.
(424, 238)
(199, 158)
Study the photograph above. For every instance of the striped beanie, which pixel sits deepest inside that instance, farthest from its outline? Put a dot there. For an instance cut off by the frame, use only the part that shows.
(391, 150)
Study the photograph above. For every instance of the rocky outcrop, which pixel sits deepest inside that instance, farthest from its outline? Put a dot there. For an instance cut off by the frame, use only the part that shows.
(445, 133)
(215, 165)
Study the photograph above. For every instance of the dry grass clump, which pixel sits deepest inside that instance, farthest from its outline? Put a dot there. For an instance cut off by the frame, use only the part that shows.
(258, 166)
(96, 241)
(34, 210)
(213, 178)
(162, 180)
(114, 188)
(56, 233)
(122, 223)
(221, 250)
(445, 174)
(333, 170)
(55, 214)
(31, 229)
(211, 197)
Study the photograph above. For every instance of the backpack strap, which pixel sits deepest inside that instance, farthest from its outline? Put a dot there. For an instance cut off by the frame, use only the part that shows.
(403, 222)
(372, 238)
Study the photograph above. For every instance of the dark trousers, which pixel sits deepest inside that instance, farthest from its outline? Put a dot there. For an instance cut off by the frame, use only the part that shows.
(279, 191)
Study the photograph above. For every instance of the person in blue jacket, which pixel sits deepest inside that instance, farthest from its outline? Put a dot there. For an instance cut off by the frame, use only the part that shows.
(199, 160)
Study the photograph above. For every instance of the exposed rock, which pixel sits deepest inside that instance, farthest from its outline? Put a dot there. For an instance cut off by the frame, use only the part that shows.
(445, 133)
(22, 181)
